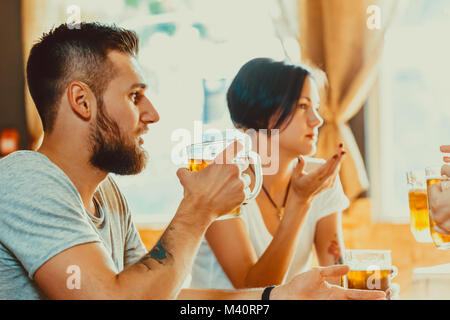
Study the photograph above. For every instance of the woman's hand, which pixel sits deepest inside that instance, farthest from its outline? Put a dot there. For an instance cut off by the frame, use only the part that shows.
(307, 185)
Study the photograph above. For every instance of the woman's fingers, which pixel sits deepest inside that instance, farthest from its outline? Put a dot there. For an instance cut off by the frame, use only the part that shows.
(329, 169)
(334, 162)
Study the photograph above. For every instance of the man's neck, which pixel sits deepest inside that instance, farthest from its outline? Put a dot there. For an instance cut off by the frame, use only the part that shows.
(75, 164)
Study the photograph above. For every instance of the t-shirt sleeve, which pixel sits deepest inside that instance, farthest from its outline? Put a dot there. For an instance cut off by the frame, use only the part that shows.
(134, 247)
(41, 212)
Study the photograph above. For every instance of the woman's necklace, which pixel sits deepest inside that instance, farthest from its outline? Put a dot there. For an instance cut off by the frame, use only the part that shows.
(280, 211)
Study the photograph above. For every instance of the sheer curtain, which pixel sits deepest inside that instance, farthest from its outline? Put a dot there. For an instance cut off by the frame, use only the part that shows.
(335, 36)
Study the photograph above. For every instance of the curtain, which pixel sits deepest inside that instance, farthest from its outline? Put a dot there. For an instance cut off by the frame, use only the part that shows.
(38, 16)
(34, 15)
(342, 38)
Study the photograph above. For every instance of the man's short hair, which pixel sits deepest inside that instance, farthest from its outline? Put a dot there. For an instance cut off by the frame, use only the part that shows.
(69, 54)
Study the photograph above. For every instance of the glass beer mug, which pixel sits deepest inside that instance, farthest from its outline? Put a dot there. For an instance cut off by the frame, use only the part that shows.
(433, 175)
(418, 205)
(369, 269)
(200, 155)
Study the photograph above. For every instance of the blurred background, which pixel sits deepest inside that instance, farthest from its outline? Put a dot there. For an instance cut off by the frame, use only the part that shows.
(389, 99)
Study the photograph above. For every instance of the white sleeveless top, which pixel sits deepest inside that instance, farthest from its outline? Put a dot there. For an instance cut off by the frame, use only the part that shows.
(208, 273)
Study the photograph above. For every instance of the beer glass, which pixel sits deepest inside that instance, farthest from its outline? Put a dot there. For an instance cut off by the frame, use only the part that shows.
(433, 175)
(369, 269)
(418, 205)
(200, 155)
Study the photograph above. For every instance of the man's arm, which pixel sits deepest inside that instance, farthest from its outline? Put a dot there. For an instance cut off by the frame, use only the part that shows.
(216, 294)
(158, 275)
(310, 285)
(208, 194)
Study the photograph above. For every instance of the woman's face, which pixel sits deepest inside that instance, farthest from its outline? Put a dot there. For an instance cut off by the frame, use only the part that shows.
(300, 136)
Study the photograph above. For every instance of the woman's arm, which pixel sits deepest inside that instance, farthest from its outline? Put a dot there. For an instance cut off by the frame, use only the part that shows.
(328, 241)
(234, 251)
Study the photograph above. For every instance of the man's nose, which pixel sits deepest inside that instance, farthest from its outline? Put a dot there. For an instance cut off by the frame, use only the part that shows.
(148, 112)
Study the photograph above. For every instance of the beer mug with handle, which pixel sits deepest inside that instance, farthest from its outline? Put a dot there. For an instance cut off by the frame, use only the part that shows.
(418, 205)
(369, 269)
(200, 155)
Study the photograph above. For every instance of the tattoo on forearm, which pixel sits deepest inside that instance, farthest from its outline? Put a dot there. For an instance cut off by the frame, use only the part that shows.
(158, 253)
(335, 250)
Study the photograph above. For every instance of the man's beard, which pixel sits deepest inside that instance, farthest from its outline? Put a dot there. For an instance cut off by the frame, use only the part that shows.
(110, 151)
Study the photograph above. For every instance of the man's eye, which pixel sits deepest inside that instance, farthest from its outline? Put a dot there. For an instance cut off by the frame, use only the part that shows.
(135, 97)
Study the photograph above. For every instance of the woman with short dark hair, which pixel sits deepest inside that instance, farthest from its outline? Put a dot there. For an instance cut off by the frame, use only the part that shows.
(299, 206)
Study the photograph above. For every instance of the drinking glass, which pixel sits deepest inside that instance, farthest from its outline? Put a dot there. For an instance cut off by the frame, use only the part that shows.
(369, 269)
(418, 205)
(200, 155)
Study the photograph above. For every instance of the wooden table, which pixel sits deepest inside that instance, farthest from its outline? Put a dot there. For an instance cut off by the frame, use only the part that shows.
(431, 283)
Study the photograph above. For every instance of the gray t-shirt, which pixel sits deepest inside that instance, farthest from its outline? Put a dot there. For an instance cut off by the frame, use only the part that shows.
(42, 214)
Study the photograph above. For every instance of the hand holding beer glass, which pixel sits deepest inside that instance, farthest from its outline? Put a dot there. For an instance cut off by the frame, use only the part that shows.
(433, 176)
(201, 155)
(369, 269)
(440, 198)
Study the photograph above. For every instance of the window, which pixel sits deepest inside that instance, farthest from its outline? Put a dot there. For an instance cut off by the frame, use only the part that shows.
(413, 118)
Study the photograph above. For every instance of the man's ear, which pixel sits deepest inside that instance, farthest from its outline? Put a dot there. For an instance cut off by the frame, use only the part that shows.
(81, 100)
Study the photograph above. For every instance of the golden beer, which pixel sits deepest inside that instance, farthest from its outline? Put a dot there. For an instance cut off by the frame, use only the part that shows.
(369, 269)
(200, 155)
(369, 280)
(440, 240)
(418, 206)
(200, 164)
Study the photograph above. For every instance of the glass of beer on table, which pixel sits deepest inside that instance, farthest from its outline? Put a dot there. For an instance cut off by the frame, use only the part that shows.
(369, 269)
(200, 155)
(433, 175)
(418, 205)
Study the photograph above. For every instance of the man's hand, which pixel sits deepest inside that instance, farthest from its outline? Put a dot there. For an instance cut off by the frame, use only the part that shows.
(312, 285)
(440, 199)
(306, 186)
(219, 188)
